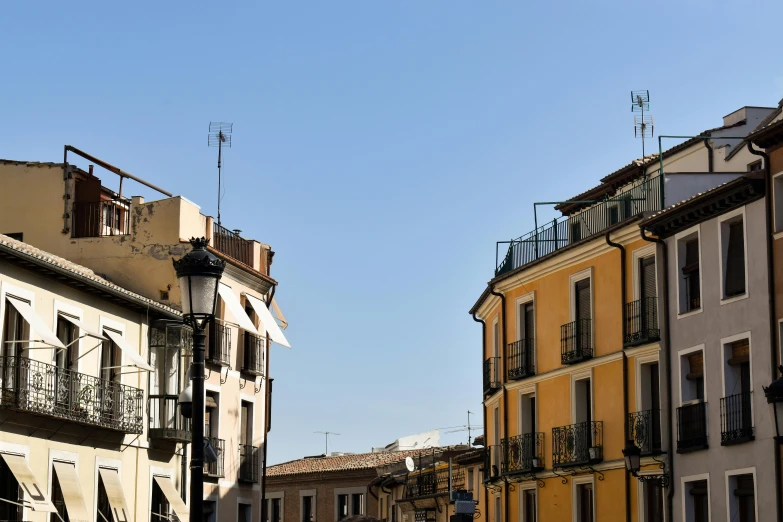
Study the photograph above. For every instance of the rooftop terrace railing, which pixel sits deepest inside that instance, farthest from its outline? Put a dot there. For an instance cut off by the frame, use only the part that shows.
(230, 243)
(643, 195)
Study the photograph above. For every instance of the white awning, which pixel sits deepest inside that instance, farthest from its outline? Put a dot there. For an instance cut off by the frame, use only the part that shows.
(236, 309)
(72, 491)
(36, 323)
(274, 331)
(83, 328)
(167, 487)
(113, 487)
(127, 349)
(279, 313)
(34, 489)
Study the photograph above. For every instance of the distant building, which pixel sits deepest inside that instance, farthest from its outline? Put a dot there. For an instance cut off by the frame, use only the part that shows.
(427, 439)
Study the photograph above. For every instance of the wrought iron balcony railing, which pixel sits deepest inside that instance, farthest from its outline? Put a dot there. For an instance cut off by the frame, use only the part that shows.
(644, 428)
(576, 341)
(577, 444)
(523, 453)
(491, 375)
(219, 344)
(641, 322)
(736, 419)
(492, 463)
(434, 483)
(248, 463)
(642, 196)
(692, 427)
(230, 243)
(101, 218)
(216, 469)
(166, 421)
(254, 348)
(521, 359)
(44, 389)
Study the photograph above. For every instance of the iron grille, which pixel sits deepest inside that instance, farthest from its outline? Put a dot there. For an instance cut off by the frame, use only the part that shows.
(491, 374)
(577, 444)
(219, 347)
(736, 419)
(232, 244)
(521, 359)
(166, 422)
(644, 428)
(253, 360)
(434, 482)
(523, 453)
(215, 469)
(692, 427)
(248, 463)
(101, 218)
(641, 321)
(576, 341)
(44, 389)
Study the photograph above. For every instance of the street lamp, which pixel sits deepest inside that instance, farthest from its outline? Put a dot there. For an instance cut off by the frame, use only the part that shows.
(774, 395)
(198, 274)
(633, 463)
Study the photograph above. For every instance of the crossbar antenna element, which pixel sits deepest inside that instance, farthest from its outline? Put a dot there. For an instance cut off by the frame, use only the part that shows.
(326, 436)
(219, 136)
(643, 124)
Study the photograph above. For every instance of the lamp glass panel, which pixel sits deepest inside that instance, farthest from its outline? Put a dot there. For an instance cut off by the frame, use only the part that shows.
(198, 294)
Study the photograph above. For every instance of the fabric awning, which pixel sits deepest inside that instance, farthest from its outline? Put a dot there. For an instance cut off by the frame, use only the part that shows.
(236, 309)
(83, 328)
(279, 314)
(274, 331)
(72, 492)
(34, 489)
(113, 487)
(36, 323)
(180, 509)
(127, 349)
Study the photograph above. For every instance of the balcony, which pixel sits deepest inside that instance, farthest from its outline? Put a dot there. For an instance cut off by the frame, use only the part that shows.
(644, 429)
(44, 389)
(230, 243)
(641, 322)
(577, 445)
(492, 463)
(166, 422)
(521, 359)
(736, 419)
(692, 427)
(219, 344)
(215, 469)
(642, 196)
(491, 375)
(523, 453)
(434, 483)
(248, 463)
(576, 341)
(101, 218)
(254, 350)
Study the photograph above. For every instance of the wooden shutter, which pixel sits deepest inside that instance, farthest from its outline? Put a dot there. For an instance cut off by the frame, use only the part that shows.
(696, 362)
(583, 299)
(740, 352)
(735, 261)
(647, 282)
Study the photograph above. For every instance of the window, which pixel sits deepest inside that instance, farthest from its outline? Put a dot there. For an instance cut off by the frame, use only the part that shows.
(755, 166)
(495, 338)
(273, 512)
(584, 502)
(742, 497)
(9, 490)
(582, 315)
(103, 513)
(777, 190)
(307, 508)
(111, 360)
(648, 420)
(690, 279)
(583, 401)
(471, 478)
(159, 506)
(497, 517)
(357, 504)
(653, 502)
(15, 329)
(495, 449)
(576, 231)
(732, 236)
(246, 424)
(529, 505)
(210, 512)
(697, 501)
(527, 322)
(244, 512)
(736, 409)
(527, 413)
(211, 415)
(58, 500)
(692, 374)
(342, 507)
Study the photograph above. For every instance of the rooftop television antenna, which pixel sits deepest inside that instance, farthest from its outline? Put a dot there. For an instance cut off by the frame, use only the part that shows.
(467, 427)
(643, 124)
(326, 436)
(219, 136)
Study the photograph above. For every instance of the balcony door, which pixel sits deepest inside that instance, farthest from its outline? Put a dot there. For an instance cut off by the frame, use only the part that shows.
(14, 330)
(583, 314)
(66, 386)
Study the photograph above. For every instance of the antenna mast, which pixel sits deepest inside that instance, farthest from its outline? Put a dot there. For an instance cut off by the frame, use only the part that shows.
(643, 125)
(219, 136)
(469, 414)
(326, 436)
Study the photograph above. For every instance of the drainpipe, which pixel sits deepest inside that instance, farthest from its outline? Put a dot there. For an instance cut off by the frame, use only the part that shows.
(483, 406)
(667, 355)
(267, 413)
(710, 154)
(772, 311)
(625, 370)
(505, 391)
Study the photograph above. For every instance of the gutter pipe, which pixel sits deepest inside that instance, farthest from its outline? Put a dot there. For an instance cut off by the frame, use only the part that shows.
(483, 406)
(267, 413)
(505, 391)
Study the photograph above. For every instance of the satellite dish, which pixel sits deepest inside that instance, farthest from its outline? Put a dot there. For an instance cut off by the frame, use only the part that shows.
(410, 464)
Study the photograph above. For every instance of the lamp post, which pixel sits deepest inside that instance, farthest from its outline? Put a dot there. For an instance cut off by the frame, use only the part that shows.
(633, 463)
(198, 274)
(774, 395)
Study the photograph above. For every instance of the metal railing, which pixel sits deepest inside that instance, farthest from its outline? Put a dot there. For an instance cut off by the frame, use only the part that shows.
(644, 429)
(232, 244)
(521, 359)
(44, 389)
(523, 453)
(492, 463)
(642, 196)
(422, 484)
(692, 427)
(248, 463)
(577, 444)
(166, 421)
(641, 321)
(736, 419)
(576, 341)
(491, 374)
(101, 218)
(219, 344)
(216, 469)
(254, 350)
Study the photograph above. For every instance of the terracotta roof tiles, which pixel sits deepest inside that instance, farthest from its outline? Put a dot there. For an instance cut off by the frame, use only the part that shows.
(324, 464)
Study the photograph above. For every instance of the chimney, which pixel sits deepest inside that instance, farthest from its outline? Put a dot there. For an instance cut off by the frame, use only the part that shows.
(90, 169)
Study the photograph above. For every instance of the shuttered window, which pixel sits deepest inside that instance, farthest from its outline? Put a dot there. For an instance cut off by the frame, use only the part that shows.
(647, 283)
(735, 261)
(690, 272)
(529, 331)
(583, 299)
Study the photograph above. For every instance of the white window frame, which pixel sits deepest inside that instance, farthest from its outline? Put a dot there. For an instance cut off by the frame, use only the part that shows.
(640, 361)
(777, 217)
(527, 486)
(522, 391)
(308, 493)
(637, 255)
(74, 311)
(724, 342)
(575, 483)
(251, 420)
(642, 501)
(744, 471)
(587, 273)
(28, 295)
(498, 509)
(350, 492)
(247, 502)
(686, 351)
(723, 252)
(683, 495)
(270, 495)
(581, 375)
(680, 279)
(111, 324)
(522, 300)
(216, 390)
(495, 349)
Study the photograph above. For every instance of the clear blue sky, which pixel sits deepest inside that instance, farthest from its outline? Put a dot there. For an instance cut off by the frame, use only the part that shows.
(381, 147)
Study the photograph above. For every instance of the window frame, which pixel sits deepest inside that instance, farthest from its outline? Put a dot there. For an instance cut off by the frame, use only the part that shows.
(575, 483)
(695, 478)
(313, 493)
(729, 494)
(523, 487)
(349, 492)
(724, 222)
(520, 322)
(573, 279)
(637, 256)
(642, 500)
(683, 237)
(582, 375)
(685, 352)
(777, 214)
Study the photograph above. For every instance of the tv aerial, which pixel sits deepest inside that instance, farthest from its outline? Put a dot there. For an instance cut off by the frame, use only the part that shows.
(219, 136)
(643, 124)
(326, 436)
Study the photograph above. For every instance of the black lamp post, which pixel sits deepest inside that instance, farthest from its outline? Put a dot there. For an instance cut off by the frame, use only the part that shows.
(633, 463)
(774, 395)
(198, 273)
